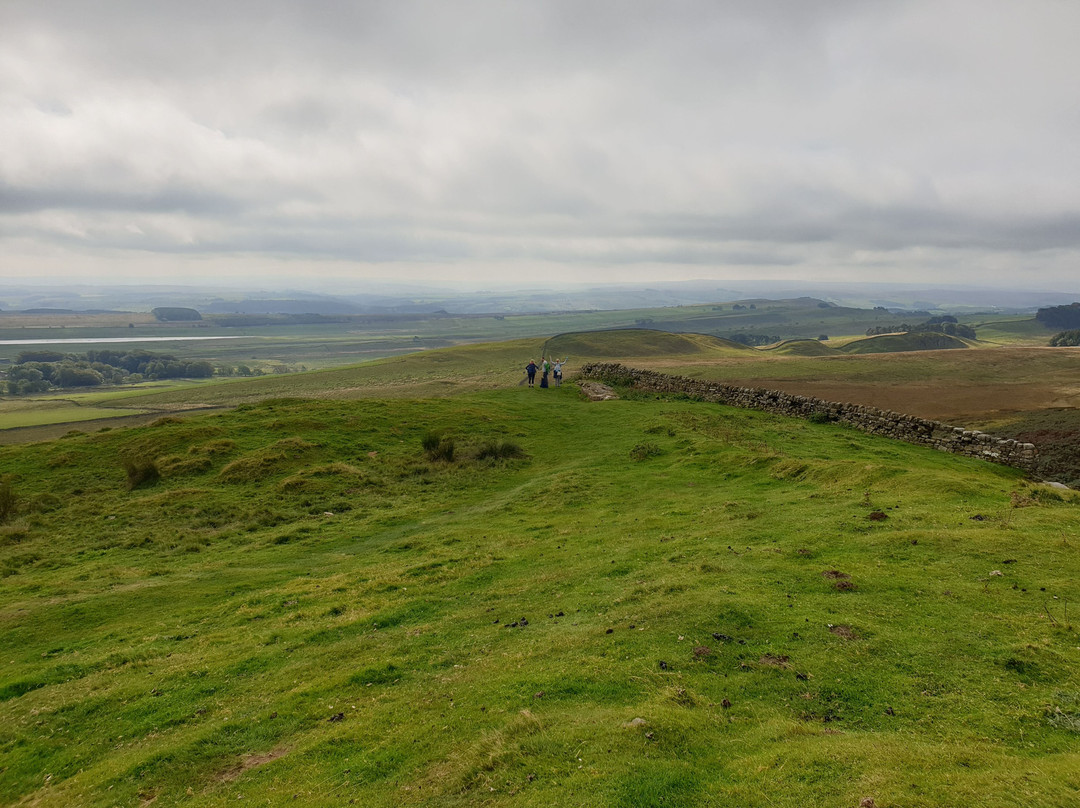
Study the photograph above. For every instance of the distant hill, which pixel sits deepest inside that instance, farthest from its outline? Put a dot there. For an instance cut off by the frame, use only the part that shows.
(637, 342)
(803, 347)
(895, 343)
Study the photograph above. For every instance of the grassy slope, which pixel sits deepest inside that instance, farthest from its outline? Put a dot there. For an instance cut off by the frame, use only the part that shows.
(896, 343)
(192, 642)
(641, 343)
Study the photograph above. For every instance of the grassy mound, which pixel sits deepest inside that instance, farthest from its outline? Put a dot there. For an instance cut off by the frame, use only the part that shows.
(651, 603)
(637, 342)
(803, 347)
(895, 343)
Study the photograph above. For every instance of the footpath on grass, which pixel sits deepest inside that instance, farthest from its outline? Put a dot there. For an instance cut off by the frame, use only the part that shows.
(908, 428)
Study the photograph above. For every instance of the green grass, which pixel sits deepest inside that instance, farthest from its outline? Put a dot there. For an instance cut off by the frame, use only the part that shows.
(194, 641)
(38, 413)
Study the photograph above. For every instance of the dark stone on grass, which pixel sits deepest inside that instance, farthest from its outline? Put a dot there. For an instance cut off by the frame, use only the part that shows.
(725, 704)
(978, 518)
(610, 631)
(722, 637)
(663, 665)
(336, 717)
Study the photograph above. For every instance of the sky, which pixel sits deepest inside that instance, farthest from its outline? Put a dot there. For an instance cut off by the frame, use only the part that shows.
(317, 144)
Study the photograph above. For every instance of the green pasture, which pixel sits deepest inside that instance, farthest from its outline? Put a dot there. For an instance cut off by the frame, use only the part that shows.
(641, 602)
(15, 414)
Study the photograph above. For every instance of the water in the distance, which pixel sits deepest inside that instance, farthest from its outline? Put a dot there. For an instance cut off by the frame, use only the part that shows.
(87, 340)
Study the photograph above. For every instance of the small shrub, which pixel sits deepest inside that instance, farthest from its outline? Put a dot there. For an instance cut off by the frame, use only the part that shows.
(499, 450)
(141, 471)
(645, 450)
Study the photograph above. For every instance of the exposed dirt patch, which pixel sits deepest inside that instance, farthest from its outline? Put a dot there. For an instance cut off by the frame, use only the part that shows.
(835, 575)
(250, 762)
(774, 660)
(845, 632)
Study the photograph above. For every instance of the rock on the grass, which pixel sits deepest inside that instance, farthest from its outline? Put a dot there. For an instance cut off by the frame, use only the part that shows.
(594, 391)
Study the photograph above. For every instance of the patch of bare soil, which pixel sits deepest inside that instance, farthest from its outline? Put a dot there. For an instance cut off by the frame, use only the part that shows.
(844, 632)
(774, 660)
(249, 762)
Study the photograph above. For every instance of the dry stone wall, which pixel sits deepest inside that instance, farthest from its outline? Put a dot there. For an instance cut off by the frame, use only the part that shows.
(867, 419)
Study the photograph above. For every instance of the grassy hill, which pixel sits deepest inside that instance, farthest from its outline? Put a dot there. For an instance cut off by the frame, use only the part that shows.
(803, 347)
(895, 343)
(640, 343)
(656, 603)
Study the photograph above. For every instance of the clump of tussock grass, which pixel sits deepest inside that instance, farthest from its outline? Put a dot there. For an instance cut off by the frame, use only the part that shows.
(323, 477)
(167, 420)
(44, 503)
(9, 500)
(643, 451)
(293, 444)
(498, 450)
(214, 447)
(178, 465)
(438, 446)
(252, 468)
(141, 471)
(273, 458)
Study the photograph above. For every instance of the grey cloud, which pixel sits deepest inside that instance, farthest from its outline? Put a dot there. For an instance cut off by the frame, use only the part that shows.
(687, 135)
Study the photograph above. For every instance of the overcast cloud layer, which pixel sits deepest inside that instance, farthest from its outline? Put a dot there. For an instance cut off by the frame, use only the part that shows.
(545, 141)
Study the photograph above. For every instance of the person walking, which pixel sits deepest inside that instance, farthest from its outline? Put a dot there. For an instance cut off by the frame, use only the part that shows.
(530, 369)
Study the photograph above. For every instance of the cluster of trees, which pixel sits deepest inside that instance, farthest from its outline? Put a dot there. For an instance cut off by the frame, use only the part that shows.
(1060, 316)
(1066, 339)
(945, 324)
(40, 371)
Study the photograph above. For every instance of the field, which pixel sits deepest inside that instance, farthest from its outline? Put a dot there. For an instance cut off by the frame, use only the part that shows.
(659, 603)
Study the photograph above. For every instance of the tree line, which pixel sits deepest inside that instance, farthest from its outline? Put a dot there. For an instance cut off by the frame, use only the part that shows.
(38, 371)
(1065, 317)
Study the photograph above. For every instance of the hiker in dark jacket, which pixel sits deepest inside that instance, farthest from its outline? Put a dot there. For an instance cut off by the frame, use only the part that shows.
(531, 370)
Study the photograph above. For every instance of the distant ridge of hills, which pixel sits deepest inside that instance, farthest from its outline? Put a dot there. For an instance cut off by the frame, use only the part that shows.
(382, 297)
